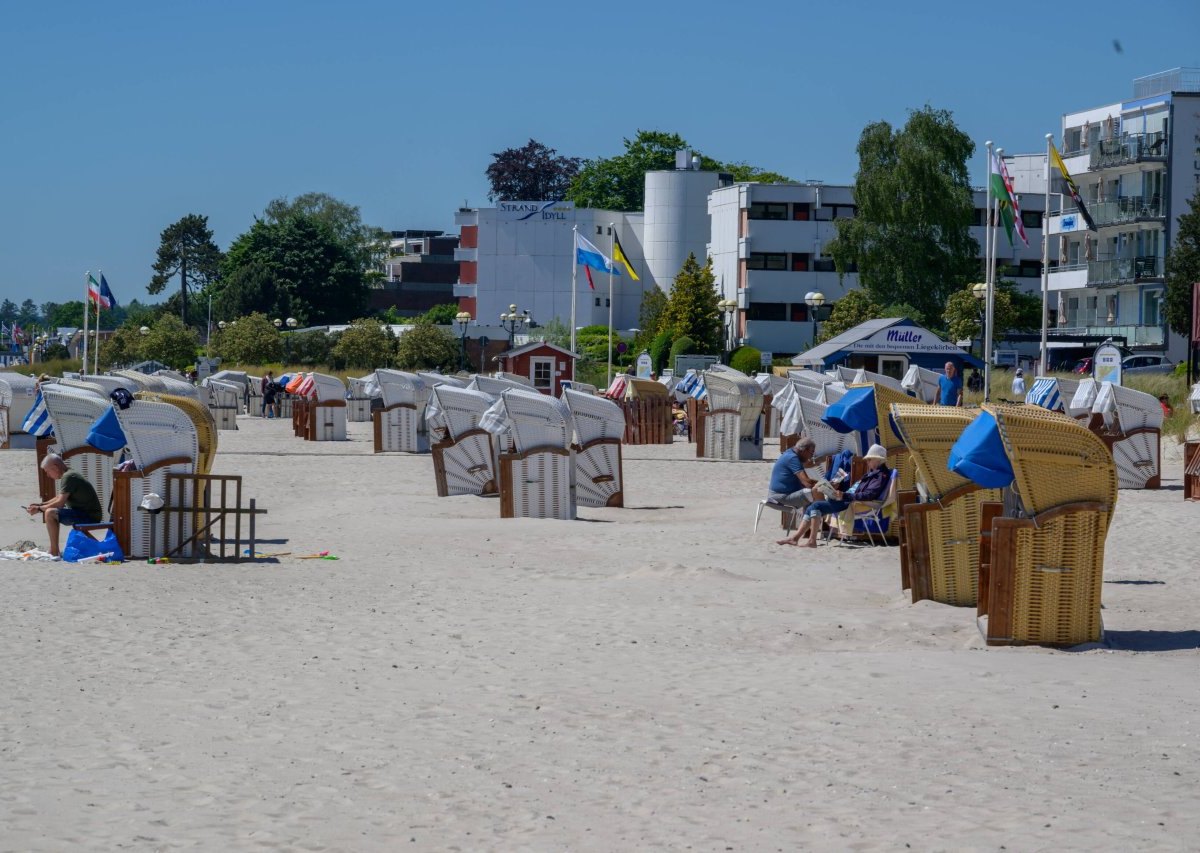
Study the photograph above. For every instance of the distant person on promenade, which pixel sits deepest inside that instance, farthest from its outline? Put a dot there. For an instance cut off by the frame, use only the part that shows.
(1018, 386)
(75, 503)
(270, 404)
(975, 380)
(950, 387)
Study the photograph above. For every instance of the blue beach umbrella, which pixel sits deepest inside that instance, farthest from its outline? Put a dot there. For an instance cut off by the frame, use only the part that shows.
(979, 454)
(106, 433)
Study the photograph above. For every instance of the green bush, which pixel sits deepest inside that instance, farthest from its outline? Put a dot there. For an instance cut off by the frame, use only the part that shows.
(660, 347)
(683, 346)
(746, 359)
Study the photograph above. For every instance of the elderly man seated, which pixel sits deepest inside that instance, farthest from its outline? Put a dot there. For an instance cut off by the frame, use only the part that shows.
(75, 503)
(872, 487)
(791, 484)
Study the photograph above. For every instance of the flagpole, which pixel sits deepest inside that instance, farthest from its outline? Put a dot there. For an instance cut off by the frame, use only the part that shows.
(1046, 266)
(574, 272)
(96, 354)
(86, 293)
(612, 241)
(988, 241)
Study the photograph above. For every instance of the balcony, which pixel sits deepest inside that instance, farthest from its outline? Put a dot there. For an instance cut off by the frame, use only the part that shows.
(1135, 336)
(1128, 148)
(1124, 271)
(1127, 210)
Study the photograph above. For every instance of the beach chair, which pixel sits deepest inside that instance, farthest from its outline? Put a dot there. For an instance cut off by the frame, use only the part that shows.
(730, 426)
(6, 398)
(599, 426)
(433, 378)
(1043, 575)
(1194, 399)
(167, 373)
(535, 478)
(1080, 406)
(464, 458)
(363, 390)
(582, 387)
(144, 381)
(73, 411)
(327, 409)
(1129, 422)
(922, 383)
(515, 378)
(400, 424)
(941, 534)
(222, 401)
(772, 386)
(241, 379)
(493, 385)
(202, 419)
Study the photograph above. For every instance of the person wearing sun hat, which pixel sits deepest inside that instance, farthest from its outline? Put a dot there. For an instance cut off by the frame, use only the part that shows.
(872, 487)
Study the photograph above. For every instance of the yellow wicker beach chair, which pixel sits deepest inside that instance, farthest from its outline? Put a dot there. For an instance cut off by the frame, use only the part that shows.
(941, 556)
(201, 417)
(1047, 568)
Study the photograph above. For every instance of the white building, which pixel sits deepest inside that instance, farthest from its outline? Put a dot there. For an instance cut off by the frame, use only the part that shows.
(1137, 168)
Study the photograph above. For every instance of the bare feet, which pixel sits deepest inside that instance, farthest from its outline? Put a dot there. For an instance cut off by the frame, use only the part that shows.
(785, 542)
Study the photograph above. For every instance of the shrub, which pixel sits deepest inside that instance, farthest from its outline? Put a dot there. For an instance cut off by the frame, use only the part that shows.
(660, 348)
(683, 346)
(746, 359)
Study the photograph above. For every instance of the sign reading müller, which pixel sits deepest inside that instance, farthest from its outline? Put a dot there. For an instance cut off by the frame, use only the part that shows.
(905, 339)
(521, 211)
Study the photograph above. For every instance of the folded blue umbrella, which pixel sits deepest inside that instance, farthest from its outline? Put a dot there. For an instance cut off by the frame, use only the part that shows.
(855, 412)
(979, 454)
(106, 433)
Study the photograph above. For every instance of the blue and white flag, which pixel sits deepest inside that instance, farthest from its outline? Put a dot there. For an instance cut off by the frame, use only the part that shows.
(107, 300)
(37, 422)
(590, 256)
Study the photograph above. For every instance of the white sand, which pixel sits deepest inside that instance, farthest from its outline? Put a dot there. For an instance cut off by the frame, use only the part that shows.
(650, 678)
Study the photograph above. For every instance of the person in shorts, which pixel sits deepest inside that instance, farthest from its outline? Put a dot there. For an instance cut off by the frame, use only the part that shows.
(75, 503)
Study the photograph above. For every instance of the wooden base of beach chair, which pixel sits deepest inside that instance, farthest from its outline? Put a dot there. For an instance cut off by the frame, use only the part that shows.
(1191, 471)
(358, 410)
(465, 466)
(536, 484)
(327, 421)
(45, 481)
(943, 546)
(1045, 577)
(141, 533)
(904, 499)
(599, 474)
(989, 511)
(398, 428)
(648, 420)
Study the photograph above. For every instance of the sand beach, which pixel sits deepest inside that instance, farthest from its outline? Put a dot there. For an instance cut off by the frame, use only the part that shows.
(657, 677)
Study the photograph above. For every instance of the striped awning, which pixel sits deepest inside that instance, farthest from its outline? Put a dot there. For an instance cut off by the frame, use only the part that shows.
(37, 422)
(1045, 393)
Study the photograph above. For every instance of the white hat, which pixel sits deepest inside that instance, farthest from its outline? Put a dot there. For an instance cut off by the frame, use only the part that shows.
(877, 451)
(151, 503)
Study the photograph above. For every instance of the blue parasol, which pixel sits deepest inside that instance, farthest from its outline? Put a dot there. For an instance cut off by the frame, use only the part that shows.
(979, 454)
(106, 433)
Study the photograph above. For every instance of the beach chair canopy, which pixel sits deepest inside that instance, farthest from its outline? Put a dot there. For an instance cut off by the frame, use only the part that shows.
(400, 388)
(732, 389)
(112, 383)
(770, 383)
(922, 383)
(72, 411)
(143, 381)
(930, 433)
(455, 410)
(494, 386)
(810, 416)
(6, 394)
(202, 419)
(179, 387)
(1045, 393)
(532, 419)
(979, 454)
(831, 392)
(238, 377)
(642, 388)
(854, 412)
(594, 417)
(156, 432)
(1131, 409)
(515, 378)
(327, 388)
(167, 373)
(68, 382)
(581, 387)
(364, 387)
(1194, 399)
(1085, 395)
(432, 379)
(692, 385)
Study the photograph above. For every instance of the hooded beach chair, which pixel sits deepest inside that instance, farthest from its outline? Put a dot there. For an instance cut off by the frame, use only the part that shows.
(1042, 578)
(202, 419)
(400, 424)
(922, 383)
(536, 477)
(940, 551)
(599, 426)
(1194, 399)
(363, 390)
(6, 398)
(464, 456)
(731, 425)
(1129, 422)
(73, 411)
(327, 408)
(772, 386)
(223, 402)
(432, 379)
(494, 385)
(143, 381)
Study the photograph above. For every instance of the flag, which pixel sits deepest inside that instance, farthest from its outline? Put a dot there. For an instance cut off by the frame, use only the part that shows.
(591, 284)
(590, 256)
(1016, 207)
(1072, 190)
(619, 258)
(17, 334)
(93, 289)
(37, 422)
(1004, 200)
(107, 300)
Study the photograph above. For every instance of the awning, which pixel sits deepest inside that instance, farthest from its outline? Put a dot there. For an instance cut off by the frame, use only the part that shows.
(979, 454)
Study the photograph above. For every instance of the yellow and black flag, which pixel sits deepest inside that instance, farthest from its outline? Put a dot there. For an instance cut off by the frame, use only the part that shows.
(618, 256)
(1072, 190)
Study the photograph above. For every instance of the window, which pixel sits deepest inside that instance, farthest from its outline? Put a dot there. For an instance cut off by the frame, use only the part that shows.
(597, 301)
(845, 211)
(824, 265)
(767, 261)
(542, 372)
(599, 229)
(801, 211)
(767, 210)
(800, 262)
(1031, 218)
(799, 312)
(776, 311)
(980, 215)
(1028, 269)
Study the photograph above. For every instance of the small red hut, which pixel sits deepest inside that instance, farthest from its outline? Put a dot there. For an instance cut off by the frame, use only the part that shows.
(543, 364)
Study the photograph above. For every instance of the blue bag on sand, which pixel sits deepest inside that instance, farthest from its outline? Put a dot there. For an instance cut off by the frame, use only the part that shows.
(80, 547)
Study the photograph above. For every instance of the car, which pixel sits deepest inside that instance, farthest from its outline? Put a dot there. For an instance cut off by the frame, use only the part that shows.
(1084, 365)
(1141, 364)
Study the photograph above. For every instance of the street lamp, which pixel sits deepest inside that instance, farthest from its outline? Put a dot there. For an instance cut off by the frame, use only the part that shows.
(291, 323)
(512, 321)
(728, 307)
(462, 319)
(814, 299)
(980, 292)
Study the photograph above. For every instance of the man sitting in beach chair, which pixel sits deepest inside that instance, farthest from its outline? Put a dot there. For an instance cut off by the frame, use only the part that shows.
(75, 503)
(872, 487)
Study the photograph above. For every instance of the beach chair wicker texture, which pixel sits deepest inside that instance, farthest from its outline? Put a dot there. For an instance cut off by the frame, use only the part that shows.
(432, 379)
(733, 423)
(167, 373)
(358, 403)
(400, 424)
(327, 411)
(6, 398)
(72, 411)
(829, 441)
(145, 382)
(464, 459)
(493, 385)
(202, 419)
(536, 477)
(1130, 423)
(179, 388)
(223, 401)
(82, 384)
(599, 426)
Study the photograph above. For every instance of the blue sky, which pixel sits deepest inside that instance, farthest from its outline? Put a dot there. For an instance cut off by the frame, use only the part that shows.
(118, 119)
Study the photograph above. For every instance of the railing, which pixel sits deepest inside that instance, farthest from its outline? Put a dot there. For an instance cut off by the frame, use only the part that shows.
(1124, 269)
(1081, 324)
(1128, 148)
(1128, 209)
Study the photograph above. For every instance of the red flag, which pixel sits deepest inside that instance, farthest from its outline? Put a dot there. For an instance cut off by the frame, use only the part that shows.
(588, 270)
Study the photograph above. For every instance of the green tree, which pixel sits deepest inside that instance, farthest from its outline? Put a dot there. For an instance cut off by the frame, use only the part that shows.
(8, 311)
(692, 307)
(27, 314)
(746, 359)
(67, 315)
(660, 348)
(910, 238)
(654, 303)
(683, 346)
(124, 347)
(249, 340)
(310, 348)
(1183, 268)
(186, 247)
(591, 343)
(855, 307)
(170, 342)
(367, 244)
(442, 315)
(555, 332)
(366, 344)
(1026, 307)
(427, 347)
(962, 315)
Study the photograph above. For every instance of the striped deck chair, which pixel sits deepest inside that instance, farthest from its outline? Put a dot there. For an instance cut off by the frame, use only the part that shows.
(939, 557)
(72, 411)
(1129, 422)
(731, 426)
(400, 424)
(599, 426)
(327, 410)
(536, 477)
(464, 458)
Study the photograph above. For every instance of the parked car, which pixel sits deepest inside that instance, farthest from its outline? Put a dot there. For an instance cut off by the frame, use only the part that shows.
(1084, 365)
(1147, 364)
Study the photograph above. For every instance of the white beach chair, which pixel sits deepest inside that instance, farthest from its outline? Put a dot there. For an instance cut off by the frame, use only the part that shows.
(144, 382)
(400, 424)
(82, 384)
(464, 460)
(363, 390)
(831, 393)
(599, 426)
(172, 374)
(72, 411)
(1194, 399)
(180, 388)
(223, 401)
(6, 398)
(1130, 423)
(828, 440)
(732, 425)
(431, 379)
(328, 409)
(536, 477)
(494, 385)
(516, 378)
(922, 383)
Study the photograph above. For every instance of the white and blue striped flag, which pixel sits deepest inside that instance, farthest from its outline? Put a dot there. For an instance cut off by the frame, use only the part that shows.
(37, 422)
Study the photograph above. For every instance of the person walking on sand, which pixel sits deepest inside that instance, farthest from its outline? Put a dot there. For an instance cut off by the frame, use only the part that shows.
(75, 503)
(1018, 386)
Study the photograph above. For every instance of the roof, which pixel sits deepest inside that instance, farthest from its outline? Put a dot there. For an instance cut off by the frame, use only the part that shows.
(822, 351)
(532, 345)
(913, 339)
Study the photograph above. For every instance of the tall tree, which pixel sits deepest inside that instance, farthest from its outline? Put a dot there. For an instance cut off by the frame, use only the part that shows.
(170, 342)
(8, 311)
(963, 310)
(365, 345)
(366, 243)
(532, 172)
(1183, 269)
(911, 236)
(692, 307)
(27, 314)
(186, 248)
(855, 307)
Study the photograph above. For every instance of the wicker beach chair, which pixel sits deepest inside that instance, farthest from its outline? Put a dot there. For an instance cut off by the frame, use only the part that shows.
(144, 381)
(536, 477)
(162, 440)
(599, 427)
(464, 458)
(400, 424)
(363, 390)
(180, 388)
(1082, 400)
(241, 379)
(432, 378)
(6, 399)
(829, 442)
(731, 428)
(202, 419)
(223, 401)
(922, 383)
(1045, 569)
(327, 410)
(940, 545)
(24, 396)
(167, 373)
(73, 411)
(1129, 422)
(493, 385)
(586, 388)
(516, 378)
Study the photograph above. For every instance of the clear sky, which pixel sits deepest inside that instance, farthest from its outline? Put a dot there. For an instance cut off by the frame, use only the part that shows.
(116, 119)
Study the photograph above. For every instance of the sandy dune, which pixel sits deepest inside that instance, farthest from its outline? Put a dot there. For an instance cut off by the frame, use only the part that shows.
(657, 677)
